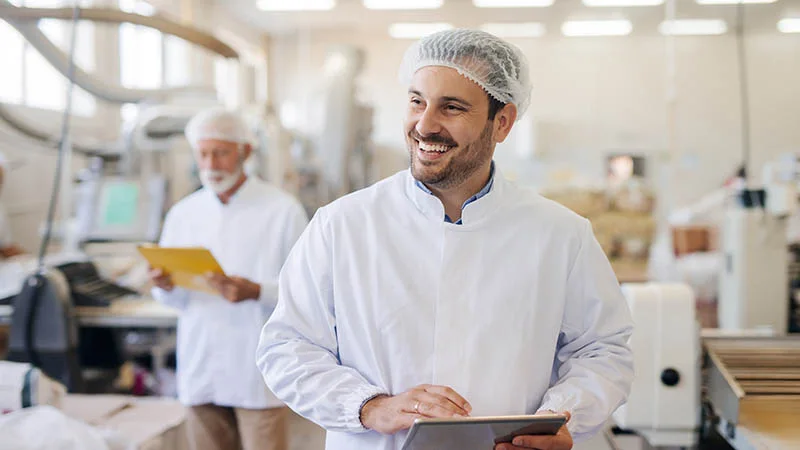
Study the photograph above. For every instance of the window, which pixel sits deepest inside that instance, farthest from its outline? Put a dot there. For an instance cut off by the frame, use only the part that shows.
(11, 51)
(141, 50)
(30, 80)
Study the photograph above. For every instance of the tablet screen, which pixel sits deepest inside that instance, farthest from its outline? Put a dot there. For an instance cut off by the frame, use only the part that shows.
(476, 433)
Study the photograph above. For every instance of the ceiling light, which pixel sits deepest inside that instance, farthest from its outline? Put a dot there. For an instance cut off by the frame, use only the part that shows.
(512, 3)
(731, 2)
(693, 27)
(296, 5)
(514, 30)
(403, 4)
(789, 25)
(416, 30)
(604, 3)
(596, 28)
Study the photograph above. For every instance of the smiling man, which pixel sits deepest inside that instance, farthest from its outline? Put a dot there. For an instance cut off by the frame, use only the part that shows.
(446, 290)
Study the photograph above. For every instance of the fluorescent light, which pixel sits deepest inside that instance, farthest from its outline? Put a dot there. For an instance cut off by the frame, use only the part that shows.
(512, 3)
(604, 3)
(416, 30)
(693, 27)
(596, 28)
(731, 2)
(296, 5)
(791, 25)
(402, 4)
(514, 30)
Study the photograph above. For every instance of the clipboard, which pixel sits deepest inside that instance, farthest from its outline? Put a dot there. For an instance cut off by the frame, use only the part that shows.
(478, 433)
(187, 265)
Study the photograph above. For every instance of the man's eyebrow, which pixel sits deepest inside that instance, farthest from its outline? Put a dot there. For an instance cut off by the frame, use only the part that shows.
(444, 99)
(457, 99)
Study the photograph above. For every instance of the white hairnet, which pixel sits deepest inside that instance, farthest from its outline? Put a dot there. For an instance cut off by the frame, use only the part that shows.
(497, 66)
(219, 124)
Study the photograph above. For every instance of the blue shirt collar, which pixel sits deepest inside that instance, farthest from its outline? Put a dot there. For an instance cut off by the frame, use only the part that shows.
(486, 189)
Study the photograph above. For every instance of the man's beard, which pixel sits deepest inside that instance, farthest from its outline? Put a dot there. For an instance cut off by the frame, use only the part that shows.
(226, 180)
(460, 167)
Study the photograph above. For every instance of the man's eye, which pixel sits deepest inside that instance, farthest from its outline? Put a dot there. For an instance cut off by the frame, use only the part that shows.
(454, 108)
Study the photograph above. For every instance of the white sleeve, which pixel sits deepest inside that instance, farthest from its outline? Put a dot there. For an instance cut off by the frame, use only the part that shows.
(177, 297)
(593, 368)
(298, 350)
(296, 222)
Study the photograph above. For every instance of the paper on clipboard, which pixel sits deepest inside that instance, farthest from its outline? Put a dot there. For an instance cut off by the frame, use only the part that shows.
(188, 266)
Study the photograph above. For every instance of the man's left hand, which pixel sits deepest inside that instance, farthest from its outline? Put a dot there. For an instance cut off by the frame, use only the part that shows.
(559, 441)
(234, 289)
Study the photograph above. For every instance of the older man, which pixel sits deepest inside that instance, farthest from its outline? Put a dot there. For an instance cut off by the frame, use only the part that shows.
(447, 290)
(250, 227)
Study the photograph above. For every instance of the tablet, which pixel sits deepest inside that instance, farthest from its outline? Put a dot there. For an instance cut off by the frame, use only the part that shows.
(478, 433)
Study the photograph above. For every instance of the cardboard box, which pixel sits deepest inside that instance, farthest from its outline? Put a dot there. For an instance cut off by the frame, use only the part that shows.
(693, 238)
(150, 423)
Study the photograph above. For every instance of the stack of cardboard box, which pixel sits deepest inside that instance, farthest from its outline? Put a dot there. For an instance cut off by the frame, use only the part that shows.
(623, 223)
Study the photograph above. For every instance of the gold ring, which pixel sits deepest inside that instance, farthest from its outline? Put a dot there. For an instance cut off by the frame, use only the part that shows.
(416, 407)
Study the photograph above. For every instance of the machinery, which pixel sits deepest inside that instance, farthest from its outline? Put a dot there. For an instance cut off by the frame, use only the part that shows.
(754, 283)
(664, 403)
(44, 332)
(713, 389)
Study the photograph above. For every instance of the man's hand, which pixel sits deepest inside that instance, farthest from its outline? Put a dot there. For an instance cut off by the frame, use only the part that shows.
(388, 415)
(234, 289)
(161, 279)
(560, 441)
(11, 251)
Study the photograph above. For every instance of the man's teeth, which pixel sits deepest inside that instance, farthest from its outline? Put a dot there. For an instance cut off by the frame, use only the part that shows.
(434, 147)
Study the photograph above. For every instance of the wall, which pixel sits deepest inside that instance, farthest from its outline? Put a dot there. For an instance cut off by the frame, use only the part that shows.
(596, 95)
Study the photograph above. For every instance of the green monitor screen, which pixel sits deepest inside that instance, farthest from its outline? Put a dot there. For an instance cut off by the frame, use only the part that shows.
(119, 204)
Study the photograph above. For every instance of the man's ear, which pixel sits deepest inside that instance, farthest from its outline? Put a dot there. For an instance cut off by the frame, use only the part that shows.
(504, 121)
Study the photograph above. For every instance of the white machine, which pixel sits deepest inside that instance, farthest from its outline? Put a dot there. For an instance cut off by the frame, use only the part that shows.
(664, 403)
(754, 284)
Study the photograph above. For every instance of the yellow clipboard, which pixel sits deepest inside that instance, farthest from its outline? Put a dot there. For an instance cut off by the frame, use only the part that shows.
(188, 266)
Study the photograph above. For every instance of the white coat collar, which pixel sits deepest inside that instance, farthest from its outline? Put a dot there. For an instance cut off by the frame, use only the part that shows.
(246, 191)
(475, 212)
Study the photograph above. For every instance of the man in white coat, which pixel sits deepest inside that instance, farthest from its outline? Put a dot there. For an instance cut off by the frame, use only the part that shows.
(446, 290)
(250, 227)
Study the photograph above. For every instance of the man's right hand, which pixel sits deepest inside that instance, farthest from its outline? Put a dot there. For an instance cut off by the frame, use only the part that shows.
(161, 279)
(388, 415)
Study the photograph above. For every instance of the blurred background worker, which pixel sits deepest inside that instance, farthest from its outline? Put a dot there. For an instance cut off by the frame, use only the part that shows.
(250, 227)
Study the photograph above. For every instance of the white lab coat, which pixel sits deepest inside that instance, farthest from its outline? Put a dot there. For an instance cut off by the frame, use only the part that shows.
(380, 295)
(250, 237)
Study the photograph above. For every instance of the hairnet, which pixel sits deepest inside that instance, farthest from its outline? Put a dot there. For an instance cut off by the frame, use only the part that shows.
(219, 124)
(497, 66)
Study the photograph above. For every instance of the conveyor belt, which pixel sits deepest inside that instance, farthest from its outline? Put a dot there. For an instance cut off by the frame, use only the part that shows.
(754, 386)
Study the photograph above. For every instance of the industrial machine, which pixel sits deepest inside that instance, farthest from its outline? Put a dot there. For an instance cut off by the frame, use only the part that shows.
(691, 386)
(754, 283)
(664, 403)
(43, 329)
